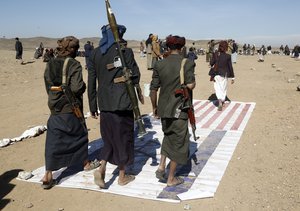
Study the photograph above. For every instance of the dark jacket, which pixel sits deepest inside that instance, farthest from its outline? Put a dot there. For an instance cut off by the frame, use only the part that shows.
(192, 56)
(166, 77)
(19, 47)
(234, 48)
(224, 65)
(57, 102)
(88, 48)
(111, 96)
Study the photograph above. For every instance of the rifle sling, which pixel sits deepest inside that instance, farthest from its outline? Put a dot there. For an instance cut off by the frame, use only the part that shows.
(64, 72)
(181, 71)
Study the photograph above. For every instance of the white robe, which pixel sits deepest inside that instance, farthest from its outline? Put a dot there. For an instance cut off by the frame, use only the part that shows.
(220, 86)
(233, 57)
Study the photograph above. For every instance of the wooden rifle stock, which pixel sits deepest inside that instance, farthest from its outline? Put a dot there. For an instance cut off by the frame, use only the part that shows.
(188, 105)
(56, 88)
(191, 112)
(187, 98)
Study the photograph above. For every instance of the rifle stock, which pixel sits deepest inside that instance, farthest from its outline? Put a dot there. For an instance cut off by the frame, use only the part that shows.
(191, 114)
(56, 88)
(188, 104)
(126, 72)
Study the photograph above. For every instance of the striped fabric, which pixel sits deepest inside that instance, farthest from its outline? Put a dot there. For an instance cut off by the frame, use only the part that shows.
(219, 131)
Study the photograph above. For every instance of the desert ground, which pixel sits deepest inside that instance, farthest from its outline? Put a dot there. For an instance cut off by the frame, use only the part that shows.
(263, 173)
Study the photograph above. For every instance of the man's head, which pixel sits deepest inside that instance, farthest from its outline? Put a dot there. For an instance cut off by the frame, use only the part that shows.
(154, 37)
(223, 46)
(108, 38)
(106, 31)
(67, 46)
(175, 42)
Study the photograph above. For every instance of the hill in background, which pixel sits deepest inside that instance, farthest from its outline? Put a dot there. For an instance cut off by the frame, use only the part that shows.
(32, 43)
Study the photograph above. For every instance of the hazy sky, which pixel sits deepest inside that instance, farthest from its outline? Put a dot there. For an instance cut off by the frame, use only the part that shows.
(247, 21)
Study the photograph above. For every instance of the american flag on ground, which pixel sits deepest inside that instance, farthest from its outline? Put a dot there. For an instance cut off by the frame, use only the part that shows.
(219, 132)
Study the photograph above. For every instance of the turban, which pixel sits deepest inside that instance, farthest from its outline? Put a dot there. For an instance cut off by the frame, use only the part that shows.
(223, 46)
(175, 42)
(108, 38)
(154, 37)
(67, 46)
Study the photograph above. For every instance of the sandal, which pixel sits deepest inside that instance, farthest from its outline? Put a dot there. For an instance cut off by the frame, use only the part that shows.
(49, 185)
(160, 174)
(99, 179)
(178, 182)
(92, 165)
(127, 179)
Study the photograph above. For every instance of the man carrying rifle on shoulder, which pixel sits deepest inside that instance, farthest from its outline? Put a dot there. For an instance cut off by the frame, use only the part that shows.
(171, 108)
(113, 101)
(67, 136)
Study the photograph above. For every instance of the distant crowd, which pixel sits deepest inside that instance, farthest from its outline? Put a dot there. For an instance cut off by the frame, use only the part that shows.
(160, 49)
(48, 53)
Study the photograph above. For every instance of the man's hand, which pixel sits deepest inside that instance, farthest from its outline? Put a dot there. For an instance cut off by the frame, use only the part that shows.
(155, 113)
(140, 94)
(94, 115)
(141, 98)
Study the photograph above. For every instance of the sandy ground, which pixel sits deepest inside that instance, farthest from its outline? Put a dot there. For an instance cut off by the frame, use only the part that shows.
(263, 173)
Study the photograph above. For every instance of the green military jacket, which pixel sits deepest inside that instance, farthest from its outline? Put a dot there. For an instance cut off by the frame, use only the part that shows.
(166, 77)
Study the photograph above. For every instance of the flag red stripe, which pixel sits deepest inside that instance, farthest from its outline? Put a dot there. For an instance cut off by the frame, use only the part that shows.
(242, 115)
(196, 103)
(202, 106)
(212, 107)
(227, 117)
(213, 118)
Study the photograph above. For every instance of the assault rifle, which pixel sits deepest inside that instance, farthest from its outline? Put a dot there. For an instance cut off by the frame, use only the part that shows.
(73, 102)
(126, 72)
(187, 104)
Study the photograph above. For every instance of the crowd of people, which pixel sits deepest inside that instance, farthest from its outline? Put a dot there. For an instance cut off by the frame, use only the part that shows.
(108, 91)
(155, 49)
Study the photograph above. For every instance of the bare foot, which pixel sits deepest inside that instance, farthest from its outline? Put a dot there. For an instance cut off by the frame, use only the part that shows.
(175, 181)
(160, 174)
(127, 179)
(99, 179)
(47, 177)
(48, 182)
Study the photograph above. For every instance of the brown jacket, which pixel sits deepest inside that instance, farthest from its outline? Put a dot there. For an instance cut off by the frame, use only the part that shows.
(224, 65)
(155, 49)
